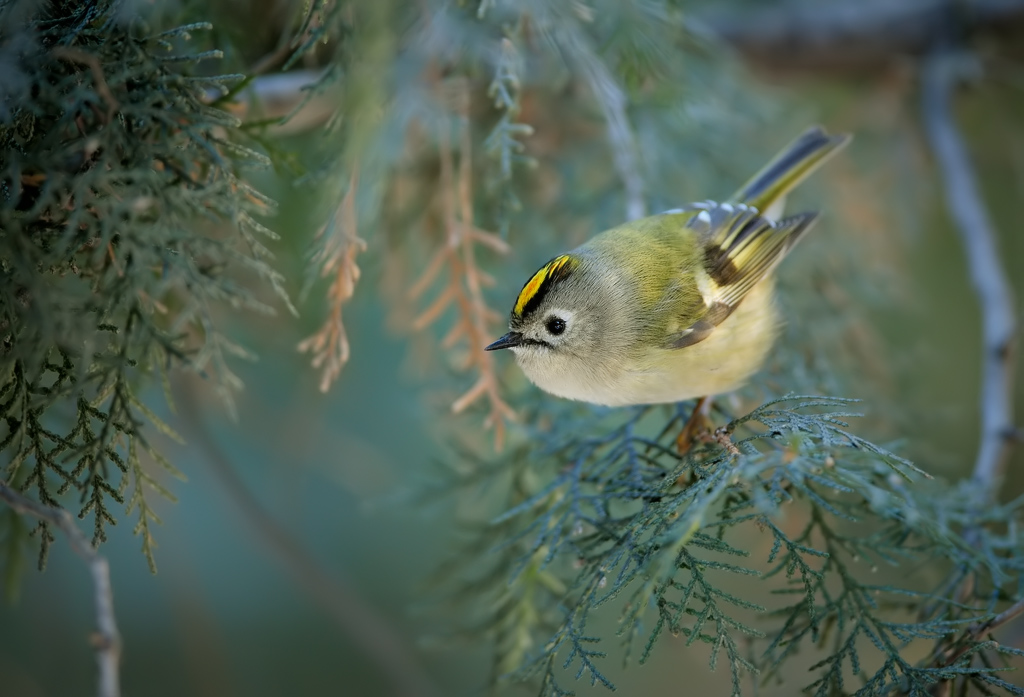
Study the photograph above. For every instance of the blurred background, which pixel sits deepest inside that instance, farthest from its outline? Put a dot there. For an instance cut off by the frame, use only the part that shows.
(298, 557)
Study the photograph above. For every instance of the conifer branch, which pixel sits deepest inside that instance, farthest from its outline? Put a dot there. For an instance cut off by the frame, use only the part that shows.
(504, 142)
(979, 630)
(604, 497)
(290, 45)
(107, 639)
(293, 102)
(336, 257)
(76, 55)
(975, 634)
(994, 292)
(464, 288)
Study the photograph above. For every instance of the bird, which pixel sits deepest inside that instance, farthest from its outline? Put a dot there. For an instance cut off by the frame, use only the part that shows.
(670, 307)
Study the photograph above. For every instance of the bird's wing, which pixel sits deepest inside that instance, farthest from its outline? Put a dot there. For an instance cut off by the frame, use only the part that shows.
(739, 248)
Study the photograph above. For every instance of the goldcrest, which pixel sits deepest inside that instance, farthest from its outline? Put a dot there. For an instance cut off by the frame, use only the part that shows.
(669, 307)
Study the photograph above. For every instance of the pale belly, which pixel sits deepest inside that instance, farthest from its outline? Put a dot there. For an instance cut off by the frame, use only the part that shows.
(721, 363)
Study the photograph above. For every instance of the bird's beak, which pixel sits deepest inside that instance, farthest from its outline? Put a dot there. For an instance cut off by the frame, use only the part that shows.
(510, 340)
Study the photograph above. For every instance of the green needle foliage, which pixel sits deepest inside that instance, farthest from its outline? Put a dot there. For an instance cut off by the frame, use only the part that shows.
(763, 542)
(783, 542)
(125, 221)
(780, 543)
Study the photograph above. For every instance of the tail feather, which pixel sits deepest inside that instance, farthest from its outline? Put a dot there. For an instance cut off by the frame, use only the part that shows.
(790, 167)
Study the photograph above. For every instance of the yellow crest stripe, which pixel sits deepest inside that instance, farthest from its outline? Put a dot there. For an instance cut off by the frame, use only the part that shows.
(556, 268)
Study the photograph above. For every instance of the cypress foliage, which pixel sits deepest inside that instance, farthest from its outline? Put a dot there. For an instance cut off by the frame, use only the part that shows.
(125, 219)
(455, 132)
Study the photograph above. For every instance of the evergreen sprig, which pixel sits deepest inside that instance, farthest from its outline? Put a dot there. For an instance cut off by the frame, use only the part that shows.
(504, 143)
(125, 221)
(602, 511)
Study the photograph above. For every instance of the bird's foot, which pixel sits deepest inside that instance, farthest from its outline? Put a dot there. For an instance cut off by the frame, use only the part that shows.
(697, 427)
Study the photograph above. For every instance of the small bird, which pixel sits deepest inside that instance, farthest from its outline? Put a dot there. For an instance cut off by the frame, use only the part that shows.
(670, 307)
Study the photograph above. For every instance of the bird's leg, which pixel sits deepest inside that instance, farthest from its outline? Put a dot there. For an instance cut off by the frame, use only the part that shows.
(699, 422)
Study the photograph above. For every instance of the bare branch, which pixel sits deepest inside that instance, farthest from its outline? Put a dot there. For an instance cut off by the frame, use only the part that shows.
(855, 35)
(361, 624)
(995, 295)
(107, 640)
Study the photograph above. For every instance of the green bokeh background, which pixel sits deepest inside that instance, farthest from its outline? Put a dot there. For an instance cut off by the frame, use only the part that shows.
(224, 616)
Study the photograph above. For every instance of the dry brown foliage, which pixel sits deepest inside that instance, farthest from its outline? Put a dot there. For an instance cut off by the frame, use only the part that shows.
(465, 283)
(337, 258)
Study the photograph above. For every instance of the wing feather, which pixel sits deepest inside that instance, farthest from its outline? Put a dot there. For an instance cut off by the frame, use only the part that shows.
(741, 247)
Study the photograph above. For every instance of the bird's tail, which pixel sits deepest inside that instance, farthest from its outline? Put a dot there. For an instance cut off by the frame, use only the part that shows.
(790, 167)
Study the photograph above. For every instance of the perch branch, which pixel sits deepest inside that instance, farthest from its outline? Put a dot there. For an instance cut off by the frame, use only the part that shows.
(368, 630)
(106, 640)
(854, 35)
(987, 274)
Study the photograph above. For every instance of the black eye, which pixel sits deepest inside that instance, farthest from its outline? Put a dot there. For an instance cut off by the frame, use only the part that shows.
(555, 325)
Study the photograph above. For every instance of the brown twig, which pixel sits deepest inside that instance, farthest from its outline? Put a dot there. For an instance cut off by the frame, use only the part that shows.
(979, 630)
(337, 257)
(465, 279)
(107, 640)
(971, 636)
(373, 633)
(76, 55)
(995, 295)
